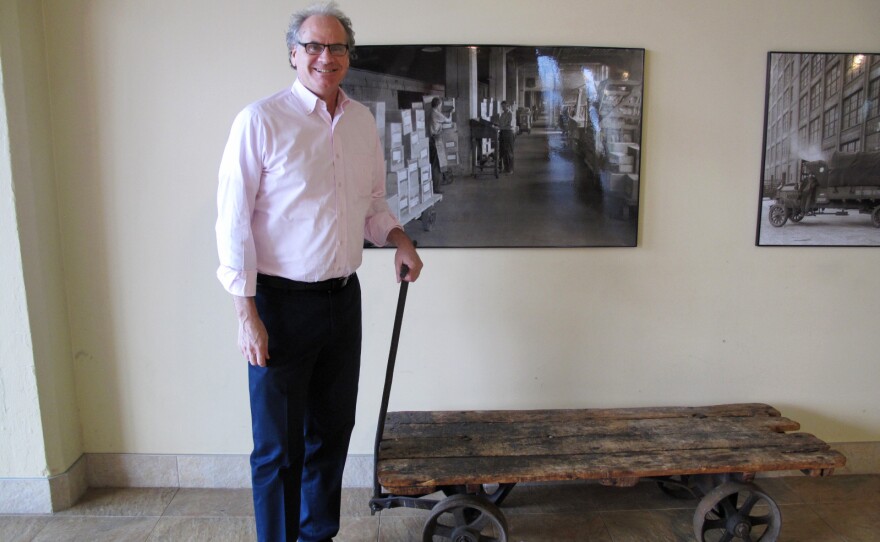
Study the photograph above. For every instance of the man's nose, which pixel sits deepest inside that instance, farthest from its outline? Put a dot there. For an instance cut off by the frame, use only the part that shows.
(325, 54)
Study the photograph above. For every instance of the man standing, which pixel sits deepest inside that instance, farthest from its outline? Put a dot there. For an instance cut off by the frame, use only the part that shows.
(436, 141)
(302, 184)
(505, 139)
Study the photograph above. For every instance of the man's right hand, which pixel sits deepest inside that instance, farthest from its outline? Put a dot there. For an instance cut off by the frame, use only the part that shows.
(253, 340)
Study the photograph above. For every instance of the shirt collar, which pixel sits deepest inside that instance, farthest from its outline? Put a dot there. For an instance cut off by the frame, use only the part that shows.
(310, 101)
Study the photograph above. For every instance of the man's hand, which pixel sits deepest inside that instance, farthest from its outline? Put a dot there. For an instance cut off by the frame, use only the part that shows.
(253, 340)
(406, 254)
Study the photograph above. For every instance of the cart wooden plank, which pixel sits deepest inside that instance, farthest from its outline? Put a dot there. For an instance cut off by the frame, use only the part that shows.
(568, 415)
(421, 451)
(586, 428)
(409, 476)
(604, 444)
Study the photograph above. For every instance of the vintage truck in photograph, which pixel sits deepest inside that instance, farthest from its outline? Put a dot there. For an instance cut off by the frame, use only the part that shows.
(848, 181)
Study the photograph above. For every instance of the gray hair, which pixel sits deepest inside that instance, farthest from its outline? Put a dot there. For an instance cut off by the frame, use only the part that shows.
(322, 8)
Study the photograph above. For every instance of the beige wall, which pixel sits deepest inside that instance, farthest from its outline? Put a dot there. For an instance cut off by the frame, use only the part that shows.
(143, 94)
(43, 265)
(40, 425)
(21, 448)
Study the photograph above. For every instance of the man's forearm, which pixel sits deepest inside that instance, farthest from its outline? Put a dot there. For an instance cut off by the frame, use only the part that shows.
(397, 238)
(245, 308)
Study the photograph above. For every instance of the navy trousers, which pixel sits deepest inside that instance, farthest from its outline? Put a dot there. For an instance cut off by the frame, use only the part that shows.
(303, 410)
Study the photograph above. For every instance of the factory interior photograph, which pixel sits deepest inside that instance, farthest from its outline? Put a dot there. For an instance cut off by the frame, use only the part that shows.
(568, 117)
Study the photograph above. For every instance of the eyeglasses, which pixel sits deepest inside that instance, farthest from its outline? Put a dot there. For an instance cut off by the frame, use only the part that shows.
(336, 49)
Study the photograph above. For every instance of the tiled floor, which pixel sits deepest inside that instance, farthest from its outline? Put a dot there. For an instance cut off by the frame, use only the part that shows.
(839, 508)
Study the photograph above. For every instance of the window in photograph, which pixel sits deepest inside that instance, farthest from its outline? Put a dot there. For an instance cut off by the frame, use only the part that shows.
(852, 109)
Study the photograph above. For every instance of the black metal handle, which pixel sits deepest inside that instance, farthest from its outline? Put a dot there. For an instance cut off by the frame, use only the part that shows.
(389, 377)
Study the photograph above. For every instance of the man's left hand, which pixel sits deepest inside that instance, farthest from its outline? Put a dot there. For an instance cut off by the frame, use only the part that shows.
(406, 254)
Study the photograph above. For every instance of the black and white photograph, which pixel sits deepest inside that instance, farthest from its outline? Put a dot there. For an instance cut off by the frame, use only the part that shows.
(821, 163)
(508, 146)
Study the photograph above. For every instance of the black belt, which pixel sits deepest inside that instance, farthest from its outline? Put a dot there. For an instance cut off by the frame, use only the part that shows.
(281, 283)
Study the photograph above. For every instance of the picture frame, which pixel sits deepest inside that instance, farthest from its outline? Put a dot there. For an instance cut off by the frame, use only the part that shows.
(820, 166)
(576, 141)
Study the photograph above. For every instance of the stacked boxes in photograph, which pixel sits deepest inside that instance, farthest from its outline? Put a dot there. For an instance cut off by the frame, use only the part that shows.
(621, 176)
(405, 137)
(406, 150)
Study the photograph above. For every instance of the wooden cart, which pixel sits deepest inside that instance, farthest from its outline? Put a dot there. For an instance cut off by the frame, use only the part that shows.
(484, 162)
(711, 452)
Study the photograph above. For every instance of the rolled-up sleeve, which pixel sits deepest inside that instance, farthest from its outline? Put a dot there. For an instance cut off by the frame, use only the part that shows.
(240, 172)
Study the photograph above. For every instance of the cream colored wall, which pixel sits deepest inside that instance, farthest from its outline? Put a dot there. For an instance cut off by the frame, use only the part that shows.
(143, 94)
(38, 419)
(21, 448)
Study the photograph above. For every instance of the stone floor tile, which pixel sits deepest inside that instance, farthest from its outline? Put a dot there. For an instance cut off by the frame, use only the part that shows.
(122, 502)
(21, 528)
(834, 509)
(356, 501)
(800, 523)
(853, 521)
(97, 529)
(211, 503)
(832, 489)
(401, 528)
(195, 529)
(587, 527)
(358, 529)
(649, 525)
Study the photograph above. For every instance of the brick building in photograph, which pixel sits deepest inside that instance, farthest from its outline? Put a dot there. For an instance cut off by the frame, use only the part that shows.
(819, 104)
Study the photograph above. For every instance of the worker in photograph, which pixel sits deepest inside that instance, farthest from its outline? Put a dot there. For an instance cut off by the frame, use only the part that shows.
(505, 138)
(302, 185)
(436, 140)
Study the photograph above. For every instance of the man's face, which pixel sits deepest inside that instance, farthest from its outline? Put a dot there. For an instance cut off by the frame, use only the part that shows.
(322, 73)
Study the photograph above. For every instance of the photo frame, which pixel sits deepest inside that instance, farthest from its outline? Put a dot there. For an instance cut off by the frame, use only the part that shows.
(820, 168)
(571, 138)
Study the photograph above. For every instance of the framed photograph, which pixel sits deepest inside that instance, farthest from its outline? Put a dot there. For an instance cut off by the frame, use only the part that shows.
(820, 172)
(507, 146)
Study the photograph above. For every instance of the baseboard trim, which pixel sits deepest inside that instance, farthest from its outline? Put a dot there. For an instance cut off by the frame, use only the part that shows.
(44, 495)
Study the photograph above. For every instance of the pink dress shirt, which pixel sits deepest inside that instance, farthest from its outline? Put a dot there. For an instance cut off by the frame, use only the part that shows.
(299, 191)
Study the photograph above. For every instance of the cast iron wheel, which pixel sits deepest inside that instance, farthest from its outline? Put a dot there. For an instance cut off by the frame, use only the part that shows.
(465, 518)
(778, 215)
(737, 511)
(875, 217)
(677, 487)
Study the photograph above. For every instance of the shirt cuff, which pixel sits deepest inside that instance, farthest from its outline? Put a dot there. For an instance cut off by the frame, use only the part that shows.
(236, 282)
(378, 228)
